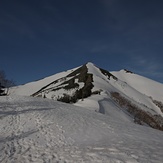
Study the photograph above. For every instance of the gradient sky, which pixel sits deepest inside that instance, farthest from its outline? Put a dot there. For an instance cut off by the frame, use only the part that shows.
(39, 38)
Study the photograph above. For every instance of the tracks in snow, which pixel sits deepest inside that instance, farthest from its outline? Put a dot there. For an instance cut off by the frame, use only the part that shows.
(50, 130)
(12, 136)
(46, 132)
(26, 137)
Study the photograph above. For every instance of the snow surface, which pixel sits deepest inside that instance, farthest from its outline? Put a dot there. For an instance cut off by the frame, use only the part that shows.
(142, 84)
(45, 131)
(136, 88)
(101, 82)
(32, 87)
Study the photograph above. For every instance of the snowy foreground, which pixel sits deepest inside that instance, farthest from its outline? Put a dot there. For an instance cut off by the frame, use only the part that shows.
(45, 131)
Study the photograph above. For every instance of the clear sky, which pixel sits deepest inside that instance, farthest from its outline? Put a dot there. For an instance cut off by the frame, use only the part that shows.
(39, 38)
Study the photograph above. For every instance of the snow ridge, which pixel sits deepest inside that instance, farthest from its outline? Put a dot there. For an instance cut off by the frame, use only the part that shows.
(88, 80)
(101, 125)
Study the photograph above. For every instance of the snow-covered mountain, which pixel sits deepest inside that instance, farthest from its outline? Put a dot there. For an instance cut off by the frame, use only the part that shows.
(139, 97)
(98, 125)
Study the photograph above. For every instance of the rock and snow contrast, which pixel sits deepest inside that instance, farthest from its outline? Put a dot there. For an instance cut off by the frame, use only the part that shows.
(108, 117)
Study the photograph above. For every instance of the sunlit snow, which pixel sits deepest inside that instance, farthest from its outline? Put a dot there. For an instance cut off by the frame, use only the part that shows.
(41, 130)
(94, 129)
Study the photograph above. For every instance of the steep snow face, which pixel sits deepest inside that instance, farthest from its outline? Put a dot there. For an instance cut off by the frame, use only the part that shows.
(136, 97)
(100, 81)
(92, 69)
(144, 85)
(42, 130)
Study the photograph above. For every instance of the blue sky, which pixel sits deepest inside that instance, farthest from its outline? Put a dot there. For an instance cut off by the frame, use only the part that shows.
(39, 38)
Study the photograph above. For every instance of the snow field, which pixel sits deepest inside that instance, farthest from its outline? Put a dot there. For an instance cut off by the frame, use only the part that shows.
(95, 129)
(42, 130)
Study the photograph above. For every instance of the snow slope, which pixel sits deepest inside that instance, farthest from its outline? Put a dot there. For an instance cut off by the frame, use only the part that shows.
(134, 88)
(42, 130)
(100, 81)
(133, 93)
(32, 87)
(142, 84)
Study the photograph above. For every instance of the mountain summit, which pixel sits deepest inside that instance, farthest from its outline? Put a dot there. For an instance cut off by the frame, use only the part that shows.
(138, 98)
(109, 117)
(80, 82)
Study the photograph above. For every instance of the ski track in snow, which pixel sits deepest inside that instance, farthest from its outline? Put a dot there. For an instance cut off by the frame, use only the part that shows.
(43, 131)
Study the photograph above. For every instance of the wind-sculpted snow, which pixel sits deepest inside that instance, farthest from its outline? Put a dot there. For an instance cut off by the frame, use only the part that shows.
(41, 130)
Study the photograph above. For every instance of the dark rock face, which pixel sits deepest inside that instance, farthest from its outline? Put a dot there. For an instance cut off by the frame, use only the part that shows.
(128, 71)
(108, 74)
(68, 83)
(2, 90)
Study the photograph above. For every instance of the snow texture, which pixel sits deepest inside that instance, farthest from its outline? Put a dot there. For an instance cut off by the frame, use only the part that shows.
(93, 130)
(140, 90)
(45, 131)
(142, 84)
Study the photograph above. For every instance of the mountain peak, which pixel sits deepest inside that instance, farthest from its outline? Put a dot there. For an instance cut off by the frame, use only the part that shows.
(75, 84)
(80, 83)
(90, 63)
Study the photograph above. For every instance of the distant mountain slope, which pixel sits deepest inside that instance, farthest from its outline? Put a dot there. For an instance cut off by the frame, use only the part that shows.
(139, 97)
(142, 84)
